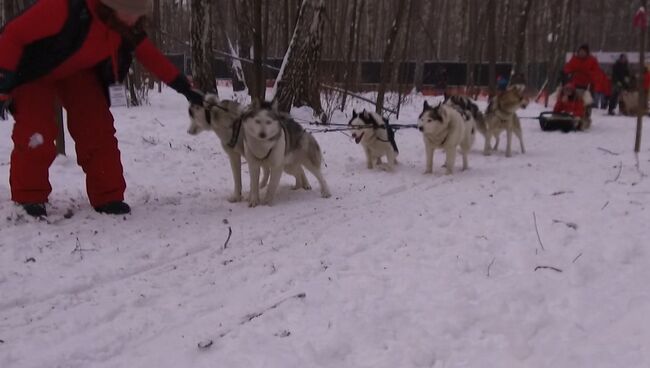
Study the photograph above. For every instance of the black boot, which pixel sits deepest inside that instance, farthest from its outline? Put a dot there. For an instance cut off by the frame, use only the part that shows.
(114, 208)
(35, 209)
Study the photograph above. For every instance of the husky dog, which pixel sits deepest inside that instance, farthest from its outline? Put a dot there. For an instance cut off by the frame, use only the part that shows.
(224, 118)
(443, 127)
(273, 140)
(376, 137)
(501, 114)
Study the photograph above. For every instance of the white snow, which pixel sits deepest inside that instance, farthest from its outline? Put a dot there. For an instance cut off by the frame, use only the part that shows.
(394, 267)
(35, 140)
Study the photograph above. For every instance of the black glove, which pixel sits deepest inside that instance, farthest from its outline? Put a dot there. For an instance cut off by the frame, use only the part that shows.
(5, 102)
(183, 86)
(195, 97)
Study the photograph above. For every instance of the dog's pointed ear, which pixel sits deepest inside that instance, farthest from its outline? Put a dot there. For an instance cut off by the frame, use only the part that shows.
(275, 105)
(354, 114)
(442, 111)
(426, 105)
(446, 96)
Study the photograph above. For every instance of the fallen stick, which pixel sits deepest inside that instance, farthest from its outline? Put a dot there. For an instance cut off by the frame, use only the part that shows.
(548, 268)
(537, 231)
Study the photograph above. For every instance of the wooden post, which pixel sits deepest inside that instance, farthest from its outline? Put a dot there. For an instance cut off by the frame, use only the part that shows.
(641, 22)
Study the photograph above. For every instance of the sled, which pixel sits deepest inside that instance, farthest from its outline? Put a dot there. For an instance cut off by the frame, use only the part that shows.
(552, 121)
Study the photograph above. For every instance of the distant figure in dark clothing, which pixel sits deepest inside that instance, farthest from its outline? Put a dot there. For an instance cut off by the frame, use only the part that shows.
(502, 83)
(620, 81)
(441, 78)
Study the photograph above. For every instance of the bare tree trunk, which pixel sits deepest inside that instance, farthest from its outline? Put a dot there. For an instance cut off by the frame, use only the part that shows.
(643, 98)
(297, 82)
(520, 48)
(202, 55)
(260, 83)
(349, 71)
(492, 47)
(155, 36)
(386, 67)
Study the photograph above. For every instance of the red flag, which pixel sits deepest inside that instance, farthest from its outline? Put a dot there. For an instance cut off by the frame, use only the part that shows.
(640, 19)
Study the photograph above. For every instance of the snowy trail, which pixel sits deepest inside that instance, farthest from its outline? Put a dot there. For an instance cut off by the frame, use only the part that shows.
(394, 267)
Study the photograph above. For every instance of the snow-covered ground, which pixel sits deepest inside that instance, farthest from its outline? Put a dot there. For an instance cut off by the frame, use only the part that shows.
(395, 270)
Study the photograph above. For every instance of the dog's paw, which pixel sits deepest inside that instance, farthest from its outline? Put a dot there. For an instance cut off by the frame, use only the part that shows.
(386, 167)
(508, 154)
(306, 187)
(427, 172)
(235, 198)
(325, 194)
(252, 203)
(449, 172)
(487, 153)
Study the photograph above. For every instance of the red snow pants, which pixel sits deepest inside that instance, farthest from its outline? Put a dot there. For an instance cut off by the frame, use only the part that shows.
(90, 124)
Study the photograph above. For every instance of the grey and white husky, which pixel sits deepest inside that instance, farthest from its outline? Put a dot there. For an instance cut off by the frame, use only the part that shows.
(501, 115)
(273, 140)
(371, 131)
(443, 127)
(224, 118)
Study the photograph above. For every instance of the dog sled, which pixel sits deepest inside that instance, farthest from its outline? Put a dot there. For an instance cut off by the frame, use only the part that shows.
(553, 121)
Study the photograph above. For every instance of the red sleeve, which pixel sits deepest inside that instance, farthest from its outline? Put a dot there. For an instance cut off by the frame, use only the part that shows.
(571, 66)
(646, 81)
(152, 59)
(43, 19)
(559, 105)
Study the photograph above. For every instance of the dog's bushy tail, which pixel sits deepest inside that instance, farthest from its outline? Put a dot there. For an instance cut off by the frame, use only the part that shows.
(314, 154)
(481, 126)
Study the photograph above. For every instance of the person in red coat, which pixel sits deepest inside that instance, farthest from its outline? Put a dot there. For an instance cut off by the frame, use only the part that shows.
(602, 89)
(582, 69)
(569, 102)
(71, 51)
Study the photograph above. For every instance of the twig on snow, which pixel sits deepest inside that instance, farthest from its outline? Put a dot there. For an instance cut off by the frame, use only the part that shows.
(537, 231)
(490, 266)
(576, 258)
(225, 245)
(570, 225)
(606, 204)
(151, 140)
(608, 151)
(205, 344)
(620, 169)
(548, 268)
(80, 250)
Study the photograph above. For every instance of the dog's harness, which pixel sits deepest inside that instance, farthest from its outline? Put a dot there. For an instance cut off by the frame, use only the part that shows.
(236, 130)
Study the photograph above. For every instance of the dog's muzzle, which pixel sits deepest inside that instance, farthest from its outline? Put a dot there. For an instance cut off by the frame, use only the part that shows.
(421, 129)
(357, 138)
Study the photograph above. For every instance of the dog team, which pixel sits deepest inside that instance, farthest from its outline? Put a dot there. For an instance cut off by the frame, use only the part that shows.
(272, 142)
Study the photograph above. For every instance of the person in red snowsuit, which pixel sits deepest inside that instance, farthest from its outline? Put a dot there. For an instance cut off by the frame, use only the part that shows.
(569, 103)
(71, 51)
